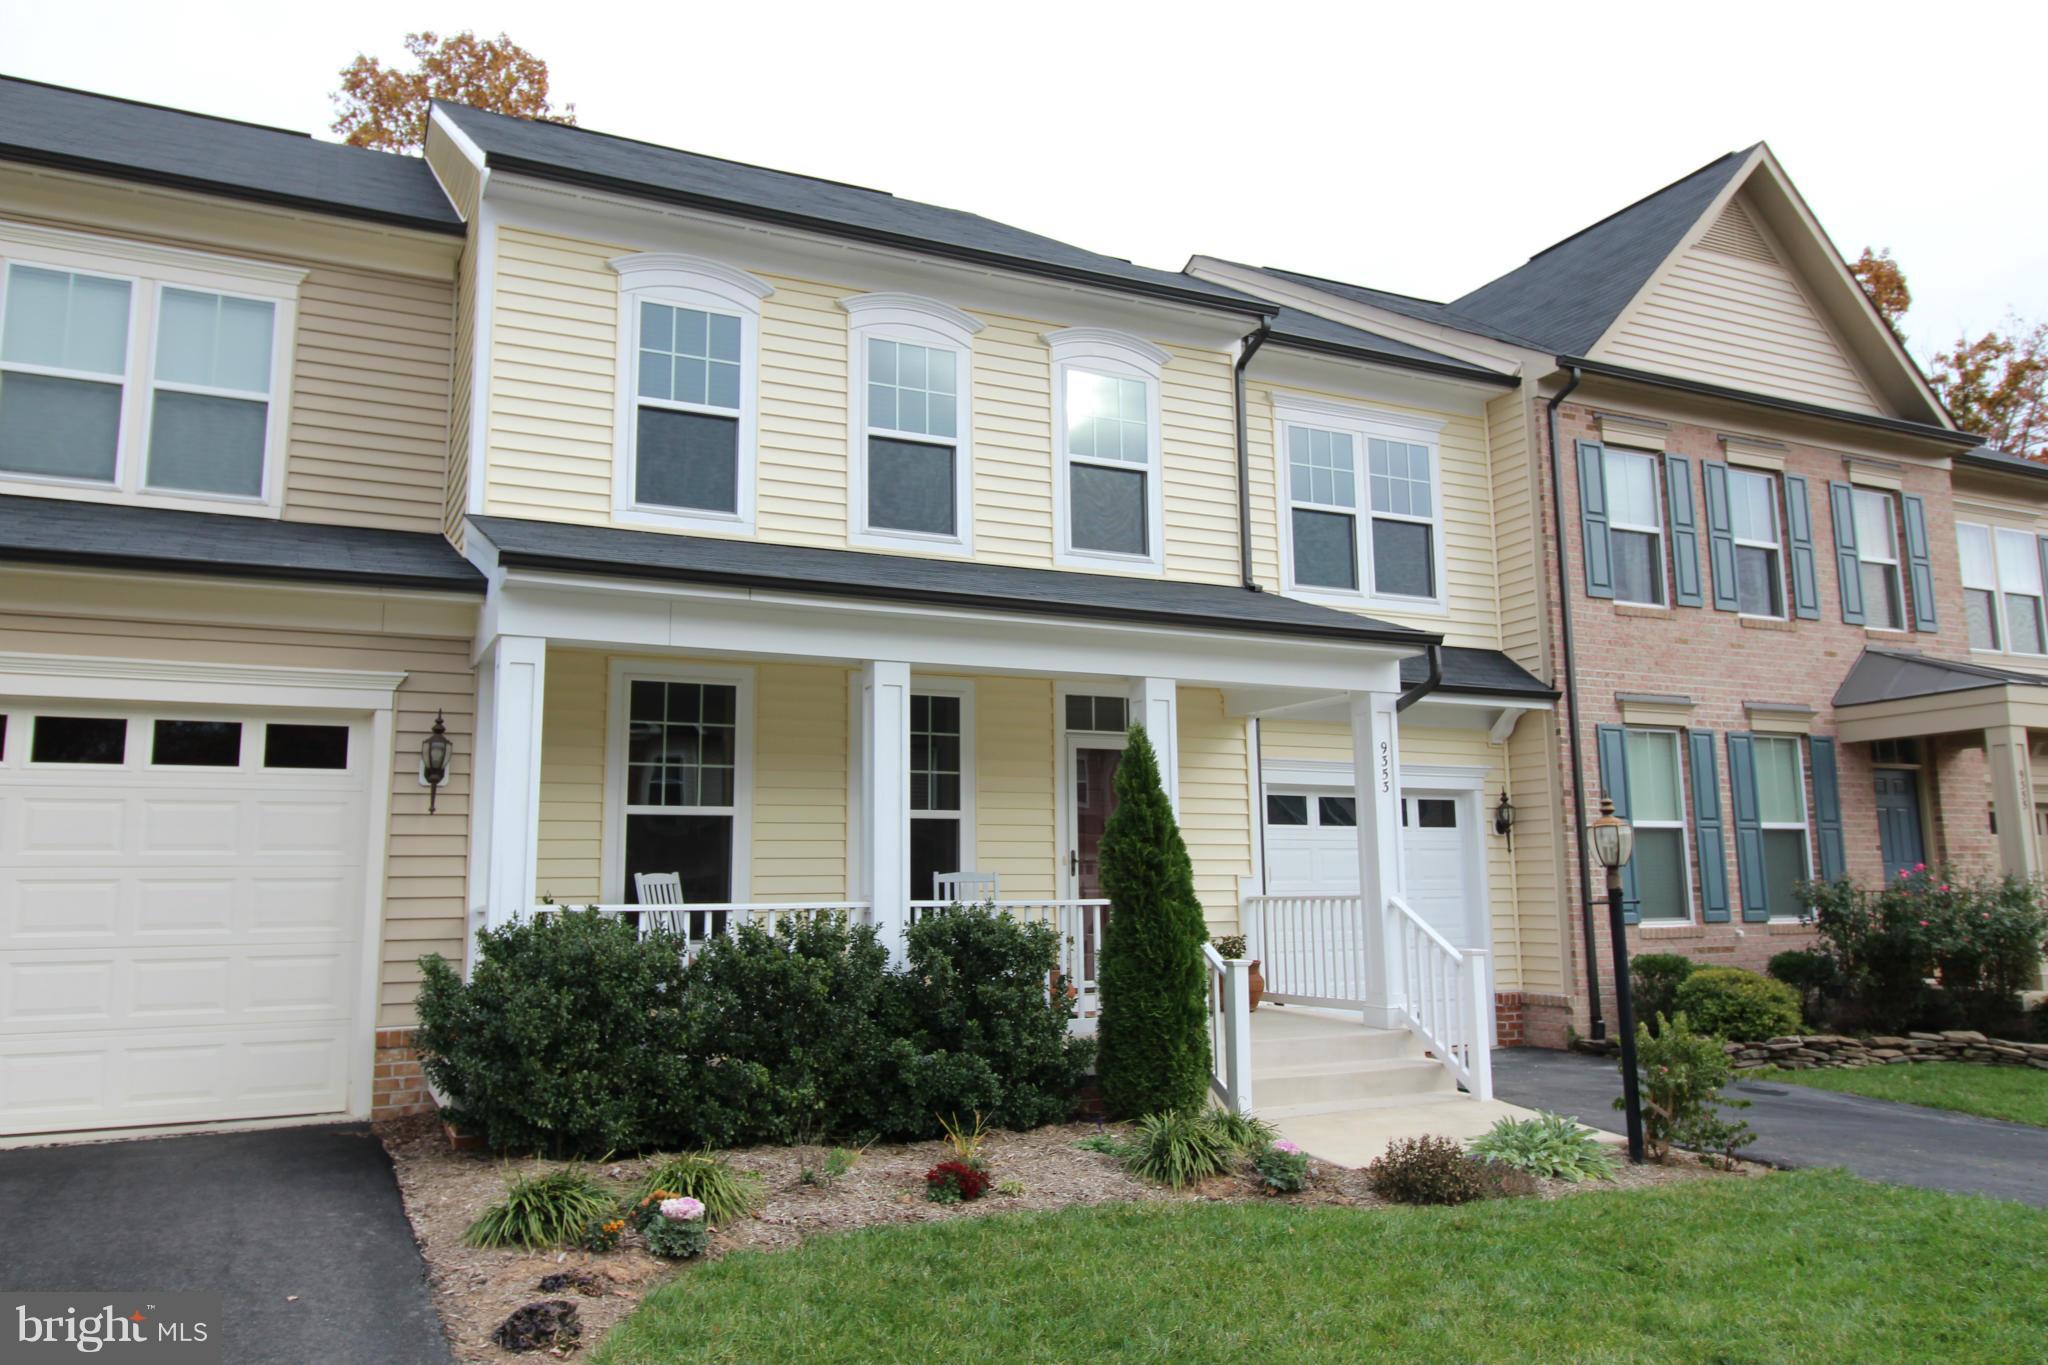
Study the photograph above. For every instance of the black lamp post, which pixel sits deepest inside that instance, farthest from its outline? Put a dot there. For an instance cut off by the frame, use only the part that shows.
(1613, 840)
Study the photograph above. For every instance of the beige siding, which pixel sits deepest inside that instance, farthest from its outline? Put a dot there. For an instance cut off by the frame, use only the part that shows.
(801, 718)
(1472, 616)
(1731, 312)
(1016, 831)
(369, 404)
(1541, 919)
(1521, 557)
(572, 745)
(1215, 801)
(424, 874)
(553, 412)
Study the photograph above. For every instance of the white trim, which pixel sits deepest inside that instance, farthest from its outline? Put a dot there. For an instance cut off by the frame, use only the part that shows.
(471, 153)
(1118, 355)
(623, 673)
(82, 677)
(481, 361)
(148, 270)
(1362, 425)
(916, 321)
(686, 282)
(1472, 830)
(963, 689)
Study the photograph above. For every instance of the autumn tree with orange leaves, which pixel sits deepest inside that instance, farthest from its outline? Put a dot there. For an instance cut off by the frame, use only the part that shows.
(385, 108)
(1995, 386)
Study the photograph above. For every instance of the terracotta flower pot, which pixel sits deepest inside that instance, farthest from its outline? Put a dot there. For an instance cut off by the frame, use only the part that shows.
(1258, 983)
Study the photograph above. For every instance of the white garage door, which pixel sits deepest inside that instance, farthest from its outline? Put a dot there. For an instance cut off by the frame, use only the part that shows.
(1312, 850)
(181, 899)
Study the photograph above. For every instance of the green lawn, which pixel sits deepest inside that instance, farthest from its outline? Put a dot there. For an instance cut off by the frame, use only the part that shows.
(2018, 1093)
(1798, 1267)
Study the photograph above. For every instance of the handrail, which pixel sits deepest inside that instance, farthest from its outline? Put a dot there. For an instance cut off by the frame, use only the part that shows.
(1447, 999)
(1230, 1029)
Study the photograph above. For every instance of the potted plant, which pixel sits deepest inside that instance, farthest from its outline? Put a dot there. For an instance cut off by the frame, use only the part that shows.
(1232, 948)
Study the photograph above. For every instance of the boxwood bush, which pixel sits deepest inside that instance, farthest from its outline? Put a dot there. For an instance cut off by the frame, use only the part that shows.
(1738, 1005)
(1654, 979)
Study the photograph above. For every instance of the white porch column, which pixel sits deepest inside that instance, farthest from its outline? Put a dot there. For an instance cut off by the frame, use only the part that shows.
(1155, 704)
(884, 854)
(505, 809)
(2012, 799)
(1376, 760)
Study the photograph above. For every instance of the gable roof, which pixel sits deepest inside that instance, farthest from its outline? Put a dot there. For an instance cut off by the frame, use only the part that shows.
(1567, 296)
(1403, 305)
(52, 125)
(580, 156)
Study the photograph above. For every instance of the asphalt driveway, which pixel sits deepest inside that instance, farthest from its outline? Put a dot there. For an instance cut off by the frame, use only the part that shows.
(1903, 1144)
(300, 1230)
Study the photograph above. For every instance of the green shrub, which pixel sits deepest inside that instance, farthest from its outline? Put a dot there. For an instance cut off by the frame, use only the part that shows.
(1283, 1168)
(1981, 938)
(1178, 1148)
(1435, 1170)
(1680, 1074)
(977, 986)
(1550, 1146)
(1243, 1133)
(726, 1194)
(1811, 973)
(541, 1212)
(1107, 1144)
(1654, 979)
(1738, 1005)
(564, 1040)
(1154, 1028)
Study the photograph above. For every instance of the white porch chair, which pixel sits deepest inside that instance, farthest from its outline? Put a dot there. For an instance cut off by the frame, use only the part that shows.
(659, 892)
(968, 888)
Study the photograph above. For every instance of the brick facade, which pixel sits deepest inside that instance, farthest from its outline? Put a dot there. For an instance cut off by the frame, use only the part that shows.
(398, 1087)
(1723, 662)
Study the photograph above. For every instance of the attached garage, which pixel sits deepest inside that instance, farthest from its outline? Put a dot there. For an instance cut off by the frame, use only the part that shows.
(187, 901)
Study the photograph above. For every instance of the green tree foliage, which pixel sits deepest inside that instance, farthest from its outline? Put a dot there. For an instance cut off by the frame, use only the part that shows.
(1154, 1029)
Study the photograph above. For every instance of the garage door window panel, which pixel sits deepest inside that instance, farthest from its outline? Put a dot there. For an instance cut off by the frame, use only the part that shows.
(80, 740)
(313, 747)
(196, 744)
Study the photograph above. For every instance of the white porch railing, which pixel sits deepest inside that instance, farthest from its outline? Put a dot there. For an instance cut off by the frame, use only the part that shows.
(1079, 924)
(1230, 1030)
(697, 924)
(1447, 1001)
(1310, 949)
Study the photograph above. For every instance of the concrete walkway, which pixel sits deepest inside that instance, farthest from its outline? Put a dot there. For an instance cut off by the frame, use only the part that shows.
(300, 1230)
(1796, 1126)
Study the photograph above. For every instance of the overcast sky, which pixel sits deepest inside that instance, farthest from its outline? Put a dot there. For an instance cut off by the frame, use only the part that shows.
(1420, 152)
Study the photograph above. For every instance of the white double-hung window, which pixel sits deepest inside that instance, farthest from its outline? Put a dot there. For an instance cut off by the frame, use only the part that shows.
(1656, 795)
(142, 373)
(1781, 811)
(912, 453)
(1361, 503)
(1877, 556)
(1107, 503)
(2019, 589)
(1980, 584)
(1759, 547)
(1635, 527)
(689, 340)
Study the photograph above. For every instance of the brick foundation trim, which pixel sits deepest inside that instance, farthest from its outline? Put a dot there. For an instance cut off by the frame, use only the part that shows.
(397, 1086)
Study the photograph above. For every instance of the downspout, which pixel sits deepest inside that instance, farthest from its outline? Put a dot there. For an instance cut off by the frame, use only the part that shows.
(1409, 696)
(1247, 348)
(1571, 703)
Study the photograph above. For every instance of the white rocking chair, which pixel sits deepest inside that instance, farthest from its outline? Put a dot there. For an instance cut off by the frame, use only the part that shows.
(968, 888)
(660, 893)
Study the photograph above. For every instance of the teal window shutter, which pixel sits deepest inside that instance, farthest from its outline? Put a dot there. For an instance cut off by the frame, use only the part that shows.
(1847, 571)
(1614, 781)
(1919, 563)
(1749, 830)
(1720, 536)
(1593, 519)
(1685, 532)
(1706, 824)
(1827, 808)
(1799, 531)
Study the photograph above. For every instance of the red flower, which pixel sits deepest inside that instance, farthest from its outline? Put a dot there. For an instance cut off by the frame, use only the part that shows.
(970, 1183)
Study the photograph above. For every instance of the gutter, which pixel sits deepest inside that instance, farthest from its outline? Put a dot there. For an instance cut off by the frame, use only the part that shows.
(1571, 700)
(1247, 348)
(1194, 298)
(1924, 431)
(1428, 685)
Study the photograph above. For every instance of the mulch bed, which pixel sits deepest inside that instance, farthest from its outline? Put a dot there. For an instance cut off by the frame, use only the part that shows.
(476, 1290)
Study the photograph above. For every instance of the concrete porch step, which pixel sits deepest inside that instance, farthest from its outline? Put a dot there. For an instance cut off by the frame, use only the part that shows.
(1322, 1046)
(1281, 1113)
(1361, 1079)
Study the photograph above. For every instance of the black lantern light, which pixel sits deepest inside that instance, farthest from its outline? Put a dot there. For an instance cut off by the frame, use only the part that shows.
(434, 751)
(1504, 819)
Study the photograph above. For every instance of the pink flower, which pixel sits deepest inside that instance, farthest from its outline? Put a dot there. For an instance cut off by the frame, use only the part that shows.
(1919, 867)
(682, 1209)
(1944, 886)
(1923, 924)
(1284, 1145)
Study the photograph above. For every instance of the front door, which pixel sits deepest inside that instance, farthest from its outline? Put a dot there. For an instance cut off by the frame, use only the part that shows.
(1898, 820)
(1091, 798)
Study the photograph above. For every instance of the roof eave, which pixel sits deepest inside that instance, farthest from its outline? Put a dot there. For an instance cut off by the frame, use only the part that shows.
(1189, 298)
(36, 156)
(1419, 364)
(199, 568)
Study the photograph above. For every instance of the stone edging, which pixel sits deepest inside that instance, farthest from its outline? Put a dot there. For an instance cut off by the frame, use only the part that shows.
(1805, 1052)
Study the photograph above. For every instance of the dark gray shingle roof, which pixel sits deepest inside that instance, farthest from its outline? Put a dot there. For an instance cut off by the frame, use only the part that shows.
(1479, 671)
(1311, 331)
(1991, 457)
(51, 125)
(1405, 305)
(578, 155)
(167, 540)
(990, 587)
(1567, 296)
(1898, 674)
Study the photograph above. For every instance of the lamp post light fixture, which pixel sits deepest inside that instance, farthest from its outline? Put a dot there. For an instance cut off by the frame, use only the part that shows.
(434, 752)
(1613, 839)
